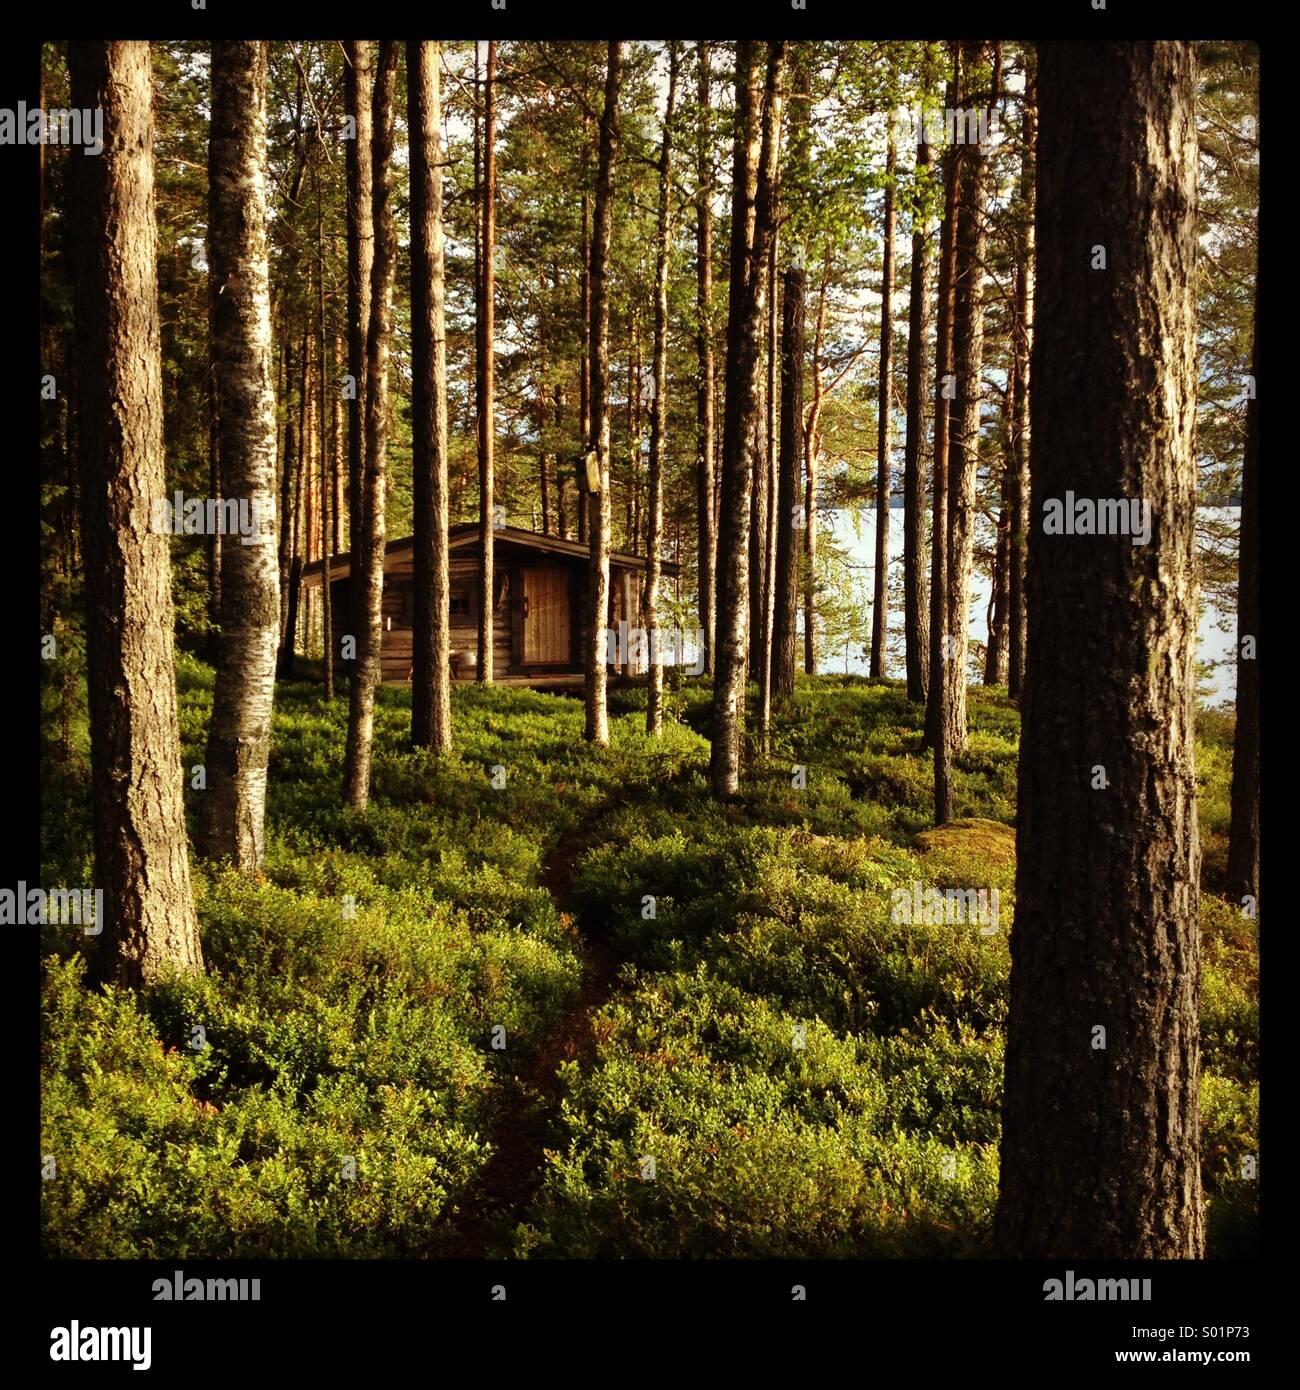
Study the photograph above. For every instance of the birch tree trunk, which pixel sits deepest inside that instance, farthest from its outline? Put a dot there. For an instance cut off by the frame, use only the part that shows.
(964, 422)
(880, 606)
(658, 407)
(232, 812)
(915, 626)
(431, 688)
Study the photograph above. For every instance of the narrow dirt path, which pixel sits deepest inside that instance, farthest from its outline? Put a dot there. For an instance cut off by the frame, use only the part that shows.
(486, 1225)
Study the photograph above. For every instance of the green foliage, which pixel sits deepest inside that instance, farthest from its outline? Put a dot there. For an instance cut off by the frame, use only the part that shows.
(810, 1075)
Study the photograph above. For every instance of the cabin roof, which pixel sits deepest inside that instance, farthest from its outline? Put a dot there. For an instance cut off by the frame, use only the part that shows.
(465, 536)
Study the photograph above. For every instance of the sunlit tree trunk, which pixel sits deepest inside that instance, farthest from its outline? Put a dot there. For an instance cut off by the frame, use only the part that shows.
(658, 406)
(880, 605)
(232, 811)
(148, 922)
(369, 549)
(707, 529)
(431, 679)
(599, 518)
(486, 375)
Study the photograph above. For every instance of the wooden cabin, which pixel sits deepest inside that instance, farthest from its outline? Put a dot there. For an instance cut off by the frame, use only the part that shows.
(538, 608)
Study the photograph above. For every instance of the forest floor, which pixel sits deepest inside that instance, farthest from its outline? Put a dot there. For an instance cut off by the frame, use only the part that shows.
(591, 1012)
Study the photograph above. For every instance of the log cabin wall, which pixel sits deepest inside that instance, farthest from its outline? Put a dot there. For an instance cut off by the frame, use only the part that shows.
(397, 653)
(510, 642)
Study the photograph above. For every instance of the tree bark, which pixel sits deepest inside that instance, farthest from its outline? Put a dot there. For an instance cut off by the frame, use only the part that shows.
(233, 809)
(213, 643)
(786, 597)
(880, 607)
(810, 452)
(748, 135)
(543, 426)
(289, 633)
(486, 376)
(358, 85)
(431, 680)
(707, 528)
(370, 549)
(148, 922)
(658, 407)
(1243, 835)
(598, 505)
(758, 498)
(1100, 1144)
(964, 422)
(756, 150)
(915, 602)
(584, 347)
(936, 722)
(288, 472)
(995, 653)
(326, 452)
(1024, 335)
(768, 465)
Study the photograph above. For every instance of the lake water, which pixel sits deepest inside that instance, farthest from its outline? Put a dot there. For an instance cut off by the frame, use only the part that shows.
(856, 532)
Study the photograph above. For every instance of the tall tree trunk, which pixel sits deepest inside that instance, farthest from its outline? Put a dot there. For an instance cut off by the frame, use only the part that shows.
(148, 924)
(543, 425)
(786, 593)
(288, 472)
(658, 407)
(584, 346)
(289, 634)
(995, 653)
(941, 643)
(486, 380)
(746, 143)
(705, 517)
(758, 498)
(915, 603)
(633, 431)
(358, 85)
(213, 644)
(233, 809)
(756, 150)
(964, 423)
(810, 448)
(338, 463)
(431, 688)
(880, 607)
(1243, 835)
(559, 457)
(599, 505)
(326, 451)
(370, 548)
(1024, 334)
(1100, 1138)
(768, 465)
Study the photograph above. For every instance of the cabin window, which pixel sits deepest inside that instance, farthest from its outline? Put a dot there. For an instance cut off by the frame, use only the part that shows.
(460, 603)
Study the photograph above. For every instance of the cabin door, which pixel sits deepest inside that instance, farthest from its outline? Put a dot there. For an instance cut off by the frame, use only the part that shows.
(546, 616)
